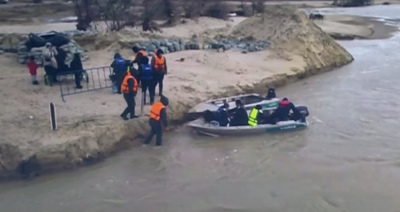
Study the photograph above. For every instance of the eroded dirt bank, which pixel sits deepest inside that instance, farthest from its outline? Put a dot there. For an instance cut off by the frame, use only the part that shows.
(89, 124)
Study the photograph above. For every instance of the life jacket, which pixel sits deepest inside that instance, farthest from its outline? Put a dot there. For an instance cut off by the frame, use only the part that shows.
(155, 111)
(147, 73)
(124, 84)
(159, 63)
(252, 121)
(142, 52)
(120, 65)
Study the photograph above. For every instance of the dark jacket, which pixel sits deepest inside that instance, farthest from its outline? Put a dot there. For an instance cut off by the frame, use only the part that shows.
(76, 63)
(138, 59)
(283, 110)
(130, 86)
(119, 64)
(143, 74)
(222, 116)
(240, 117)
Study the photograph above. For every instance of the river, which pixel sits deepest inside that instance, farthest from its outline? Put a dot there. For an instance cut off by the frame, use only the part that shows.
(347, 160)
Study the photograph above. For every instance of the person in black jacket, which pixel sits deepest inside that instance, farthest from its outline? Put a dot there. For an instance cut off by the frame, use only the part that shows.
(282, 112)
(240, 116)
(271, 94)
(157, 120)
(77, 68)
(222, 115)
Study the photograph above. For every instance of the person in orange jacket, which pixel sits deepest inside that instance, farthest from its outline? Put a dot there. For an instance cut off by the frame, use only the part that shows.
(159, 65)
(129, 87)
(157, 120)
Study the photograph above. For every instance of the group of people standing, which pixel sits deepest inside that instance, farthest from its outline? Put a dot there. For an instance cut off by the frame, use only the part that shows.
(54, 64)
(148, 75)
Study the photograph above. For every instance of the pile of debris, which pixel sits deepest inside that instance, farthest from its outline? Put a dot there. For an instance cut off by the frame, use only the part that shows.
(239, 44)
(35, 43)
(174, 45)
(167, 45)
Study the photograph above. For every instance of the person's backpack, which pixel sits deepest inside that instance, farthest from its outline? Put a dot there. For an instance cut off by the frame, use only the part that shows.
(120, 65)
(146, 72)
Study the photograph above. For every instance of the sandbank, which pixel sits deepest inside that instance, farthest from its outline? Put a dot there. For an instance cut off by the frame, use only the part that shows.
(350, 27)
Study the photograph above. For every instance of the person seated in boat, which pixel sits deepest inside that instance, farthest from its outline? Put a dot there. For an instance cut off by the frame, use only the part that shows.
(282, 112)
(271, 94)
(240, 116)
(255, 116)
(222, 115)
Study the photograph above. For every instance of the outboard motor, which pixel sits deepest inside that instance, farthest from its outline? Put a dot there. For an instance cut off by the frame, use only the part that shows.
(302, 116)
(303, 113)
(303, 110)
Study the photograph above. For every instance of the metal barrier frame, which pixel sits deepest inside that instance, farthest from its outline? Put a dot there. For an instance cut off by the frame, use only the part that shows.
(90, 80)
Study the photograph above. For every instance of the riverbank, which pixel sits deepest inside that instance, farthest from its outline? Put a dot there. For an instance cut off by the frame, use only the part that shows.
(89, 124)
(346, 27)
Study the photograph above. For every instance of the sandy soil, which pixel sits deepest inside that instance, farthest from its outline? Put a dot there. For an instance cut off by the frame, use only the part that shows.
(345, 26)
(89, 123)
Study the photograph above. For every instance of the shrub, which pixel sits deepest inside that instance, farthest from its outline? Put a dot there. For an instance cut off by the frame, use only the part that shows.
(258, 6)
(192, 9)
(217, 10)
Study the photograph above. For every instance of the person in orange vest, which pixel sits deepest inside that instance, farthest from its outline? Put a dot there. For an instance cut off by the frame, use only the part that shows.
(158, 120)
(159, 65)
(138, 55)
(129, 87)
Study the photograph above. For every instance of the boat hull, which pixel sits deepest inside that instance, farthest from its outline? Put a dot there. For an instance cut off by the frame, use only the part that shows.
(200, 127)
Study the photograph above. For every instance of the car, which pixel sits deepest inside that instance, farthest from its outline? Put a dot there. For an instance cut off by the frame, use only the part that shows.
(3, 1)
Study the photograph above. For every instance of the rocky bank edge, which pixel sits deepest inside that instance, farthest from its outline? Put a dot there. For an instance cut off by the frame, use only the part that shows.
(290, 31)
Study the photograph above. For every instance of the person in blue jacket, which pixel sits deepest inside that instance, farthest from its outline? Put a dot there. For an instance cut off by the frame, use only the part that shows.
(119, 66)
(146, 79)
(222, 115)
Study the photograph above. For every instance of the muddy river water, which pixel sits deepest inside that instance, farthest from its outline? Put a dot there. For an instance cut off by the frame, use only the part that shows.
(347, 160)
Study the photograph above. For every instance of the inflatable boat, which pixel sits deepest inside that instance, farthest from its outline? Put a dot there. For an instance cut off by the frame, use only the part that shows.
(213, 129)
(249, 101)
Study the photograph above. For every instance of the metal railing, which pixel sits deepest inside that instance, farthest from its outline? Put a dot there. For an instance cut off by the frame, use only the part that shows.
(91, 79)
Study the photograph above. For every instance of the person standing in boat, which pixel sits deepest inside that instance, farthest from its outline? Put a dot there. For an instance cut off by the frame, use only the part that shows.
(240, 116)
(271, 94)
(255, 116)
